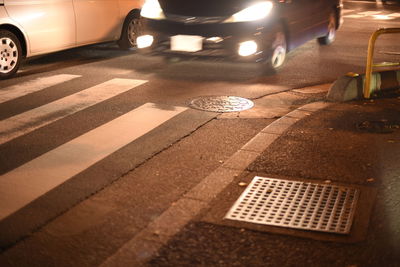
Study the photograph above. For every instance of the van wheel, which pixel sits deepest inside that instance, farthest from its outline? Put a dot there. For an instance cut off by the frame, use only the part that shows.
(130, 31)
(331, 35)
(10, 54)
(277, 49)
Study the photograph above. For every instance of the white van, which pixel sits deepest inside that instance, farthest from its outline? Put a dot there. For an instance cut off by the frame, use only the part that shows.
(34, 27)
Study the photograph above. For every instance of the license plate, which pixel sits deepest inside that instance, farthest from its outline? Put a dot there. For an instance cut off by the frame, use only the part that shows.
(186, 43)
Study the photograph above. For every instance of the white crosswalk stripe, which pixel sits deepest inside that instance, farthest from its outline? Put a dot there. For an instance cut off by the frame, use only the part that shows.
(376, 15)
(345, 11)
(36, 85)
(396, 15)
(46, 114)
(368, 13)
(28, 182)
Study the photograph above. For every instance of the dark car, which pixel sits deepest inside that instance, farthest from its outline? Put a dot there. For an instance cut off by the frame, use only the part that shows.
(250, 30)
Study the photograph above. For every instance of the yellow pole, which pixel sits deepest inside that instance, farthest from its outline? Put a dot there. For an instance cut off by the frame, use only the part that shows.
(371, 47)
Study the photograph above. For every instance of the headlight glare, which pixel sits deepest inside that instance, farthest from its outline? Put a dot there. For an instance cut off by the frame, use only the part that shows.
(144, 41)
(151, 9)
(247, 48)
(254, 12)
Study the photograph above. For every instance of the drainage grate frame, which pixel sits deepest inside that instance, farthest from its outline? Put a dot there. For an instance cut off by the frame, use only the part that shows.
(296, 204)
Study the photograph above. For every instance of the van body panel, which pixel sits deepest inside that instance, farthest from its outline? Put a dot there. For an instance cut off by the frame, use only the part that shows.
(54, 25)
(126, 6)
(96, 20)
(49, 24)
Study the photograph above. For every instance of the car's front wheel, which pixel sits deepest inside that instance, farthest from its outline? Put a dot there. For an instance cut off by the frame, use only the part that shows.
(277, 49)
(331, 34)
(10, 54)
(130, 31)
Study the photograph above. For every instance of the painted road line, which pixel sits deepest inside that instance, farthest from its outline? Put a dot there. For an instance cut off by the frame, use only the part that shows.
(28, 121)
(369, 13)
(382, 17)
(25, 88)
(376, 16)
(23, 185)
(354, 16)
(345, 11)
(359, 1)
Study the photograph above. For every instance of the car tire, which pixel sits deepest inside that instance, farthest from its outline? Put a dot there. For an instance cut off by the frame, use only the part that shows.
(277, 48)
(10, 54)
(331, 34)
(130, 31)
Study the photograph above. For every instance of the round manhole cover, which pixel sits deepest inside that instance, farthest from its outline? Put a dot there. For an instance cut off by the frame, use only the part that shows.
(221, 103)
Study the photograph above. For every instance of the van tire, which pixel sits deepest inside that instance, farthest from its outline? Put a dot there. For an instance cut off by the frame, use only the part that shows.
(130, 31)
(331, 34)
(10, 54)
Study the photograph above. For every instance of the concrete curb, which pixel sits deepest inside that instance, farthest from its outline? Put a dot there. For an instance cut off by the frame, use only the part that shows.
(350, 87)
(147, 242)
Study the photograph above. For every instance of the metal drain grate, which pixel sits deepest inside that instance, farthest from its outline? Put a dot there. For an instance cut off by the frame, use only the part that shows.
(296, 204)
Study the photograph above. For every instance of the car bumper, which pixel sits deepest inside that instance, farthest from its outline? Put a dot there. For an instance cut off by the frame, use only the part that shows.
(218, 39)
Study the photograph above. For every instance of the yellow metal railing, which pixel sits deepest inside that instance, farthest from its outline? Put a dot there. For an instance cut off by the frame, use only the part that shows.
(371, 47)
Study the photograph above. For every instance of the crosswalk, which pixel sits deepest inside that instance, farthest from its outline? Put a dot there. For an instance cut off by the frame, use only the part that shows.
(28, 182)
(32, 86)
(46, 114)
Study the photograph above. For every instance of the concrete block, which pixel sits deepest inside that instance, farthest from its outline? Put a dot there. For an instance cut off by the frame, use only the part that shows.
(350, 87)
(213, 184)
(346, 88)
(312, 107)
(260, 142)
(299, 114)
(241, 159)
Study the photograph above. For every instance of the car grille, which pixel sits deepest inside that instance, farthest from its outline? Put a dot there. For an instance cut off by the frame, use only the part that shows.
(194, 20)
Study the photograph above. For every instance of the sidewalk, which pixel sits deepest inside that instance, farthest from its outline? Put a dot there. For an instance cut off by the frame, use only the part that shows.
(354, 144)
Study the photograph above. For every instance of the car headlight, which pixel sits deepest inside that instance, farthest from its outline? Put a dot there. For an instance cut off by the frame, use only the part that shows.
(151, 9)
(254, 12)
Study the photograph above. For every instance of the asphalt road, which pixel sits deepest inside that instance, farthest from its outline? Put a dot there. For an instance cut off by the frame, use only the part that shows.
(150, 170)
